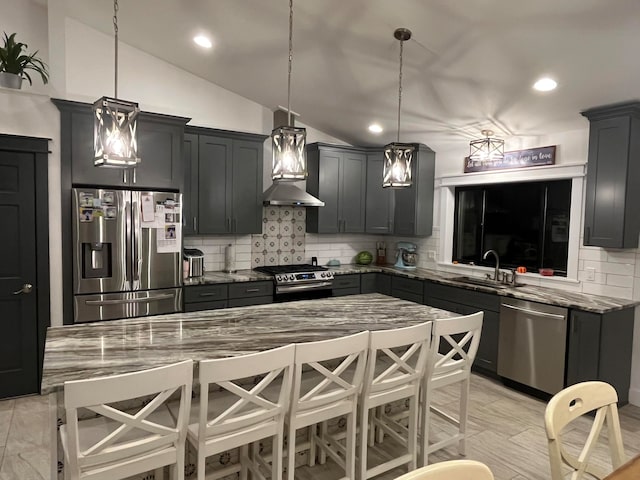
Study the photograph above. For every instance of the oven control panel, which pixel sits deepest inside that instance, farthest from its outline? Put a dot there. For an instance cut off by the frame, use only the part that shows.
(303, 277)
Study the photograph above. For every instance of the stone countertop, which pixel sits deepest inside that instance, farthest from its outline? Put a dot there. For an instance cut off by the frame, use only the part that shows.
(118, 346)
(551, 296)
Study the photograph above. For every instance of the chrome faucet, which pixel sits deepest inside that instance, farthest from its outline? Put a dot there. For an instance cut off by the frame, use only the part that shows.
(496, 275)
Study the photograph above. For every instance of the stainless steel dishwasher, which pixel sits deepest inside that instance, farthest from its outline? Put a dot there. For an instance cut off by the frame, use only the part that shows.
(531, 349)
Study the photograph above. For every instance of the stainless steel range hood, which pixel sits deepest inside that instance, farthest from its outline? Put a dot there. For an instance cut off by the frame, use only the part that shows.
(285, 193)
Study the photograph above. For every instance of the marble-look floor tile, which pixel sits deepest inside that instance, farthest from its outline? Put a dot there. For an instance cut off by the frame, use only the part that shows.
(27, 465)
(5, 423)
(33, 403)
(28, 430)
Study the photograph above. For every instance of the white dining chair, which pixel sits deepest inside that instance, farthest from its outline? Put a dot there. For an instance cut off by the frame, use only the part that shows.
(327, 381)
(116, 444)
(451, 470)
(233, 412)
(454, 346)
(396, 364)
(568, 405)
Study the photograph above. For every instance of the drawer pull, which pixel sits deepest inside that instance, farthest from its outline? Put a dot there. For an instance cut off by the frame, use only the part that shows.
(252, 290)
(212, 294)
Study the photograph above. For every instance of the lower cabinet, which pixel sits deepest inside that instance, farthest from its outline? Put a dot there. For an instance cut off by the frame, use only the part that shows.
(224, 295)
(407, 289)
(375, 282)
(599, 348)
(466, 302)
(348, 284)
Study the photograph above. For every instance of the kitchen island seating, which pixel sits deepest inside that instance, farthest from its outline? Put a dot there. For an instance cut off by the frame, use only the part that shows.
(451, 470)
(395, 369)
(114, 444)
(454, 346)
(568, 405)
(235, 414)
(327, 381)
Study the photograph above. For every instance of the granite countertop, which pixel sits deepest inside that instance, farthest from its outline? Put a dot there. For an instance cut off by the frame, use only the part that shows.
(533, 293)
(118, 346)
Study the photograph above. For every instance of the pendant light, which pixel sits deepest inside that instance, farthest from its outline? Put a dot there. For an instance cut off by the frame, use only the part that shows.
(115, 123)
(398, 156)
(486, 150)
(289, 142)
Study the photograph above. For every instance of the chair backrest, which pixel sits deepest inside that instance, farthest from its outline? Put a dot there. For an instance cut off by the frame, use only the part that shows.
(451, 470)
(245, 405)
(397, 359)
(571, 403)
(461, 350)
(136, 434)
(334, 371)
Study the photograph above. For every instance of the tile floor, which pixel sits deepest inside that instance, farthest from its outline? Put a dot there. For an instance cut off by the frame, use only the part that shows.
(506, 432)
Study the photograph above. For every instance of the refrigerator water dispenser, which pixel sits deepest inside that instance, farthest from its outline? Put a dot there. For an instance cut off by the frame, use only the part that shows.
(96, 260)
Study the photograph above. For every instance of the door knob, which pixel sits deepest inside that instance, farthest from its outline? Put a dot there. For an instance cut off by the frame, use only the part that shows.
(26, 288)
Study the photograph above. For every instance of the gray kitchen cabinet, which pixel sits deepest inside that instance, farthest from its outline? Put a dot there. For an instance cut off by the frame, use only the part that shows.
(613, 173)
(160, 142)
(348, 284)
(375, 282)
(224, 295)
(223, 191)
(407, 288)
(379, 208)
(413, 209)
(337, 176)
(466, 302)
(600, 348)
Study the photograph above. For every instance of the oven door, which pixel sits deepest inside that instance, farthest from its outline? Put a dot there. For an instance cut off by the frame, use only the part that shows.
(303, 291)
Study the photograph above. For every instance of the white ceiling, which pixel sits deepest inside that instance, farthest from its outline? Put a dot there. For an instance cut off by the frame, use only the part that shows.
(469, 65)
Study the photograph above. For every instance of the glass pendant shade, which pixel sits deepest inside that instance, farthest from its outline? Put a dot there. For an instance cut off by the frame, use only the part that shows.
(486, 150)
(114, 133)
(289, 153)
(397, 165)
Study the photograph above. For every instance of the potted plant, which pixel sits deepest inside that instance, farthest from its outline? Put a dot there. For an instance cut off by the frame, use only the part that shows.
(14, 63)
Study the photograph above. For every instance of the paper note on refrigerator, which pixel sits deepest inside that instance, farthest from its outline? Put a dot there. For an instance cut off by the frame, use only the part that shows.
(169, 229)
(148, 210)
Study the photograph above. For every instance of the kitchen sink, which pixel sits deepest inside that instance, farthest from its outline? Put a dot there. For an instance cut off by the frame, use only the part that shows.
(484, 282)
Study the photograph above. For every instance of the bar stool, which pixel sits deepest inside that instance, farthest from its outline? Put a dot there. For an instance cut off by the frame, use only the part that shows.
(451, 470)
(117, 444)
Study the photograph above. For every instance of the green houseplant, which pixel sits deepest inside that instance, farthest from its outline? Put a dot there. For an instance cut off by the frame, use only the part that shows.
(14, 63)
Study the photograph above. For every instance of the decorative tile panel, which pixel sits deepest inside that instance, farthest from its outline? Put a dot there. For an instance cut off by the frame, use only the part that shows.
(282, 240)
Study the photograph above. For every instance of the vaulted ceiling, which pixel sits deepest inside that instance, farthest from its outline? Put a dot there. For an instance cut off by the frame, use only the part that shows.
(470, 64)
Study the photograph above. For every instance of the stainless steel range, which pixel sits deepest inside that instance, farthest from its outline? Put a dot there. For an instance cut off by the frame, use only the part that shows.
(299, 281)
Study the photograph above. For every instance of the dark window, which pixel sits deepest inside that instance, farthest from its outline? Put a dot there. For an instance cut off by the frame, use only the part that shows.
(526, 223)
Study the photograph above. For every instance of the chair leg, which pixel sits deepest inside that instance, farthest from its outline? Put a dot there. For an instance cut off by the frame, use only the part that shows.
(201, 462)
(412, 433)
(424, 427)
(276, 454)
(291, 452)
(178, 473)
(350, 452)
(464, 413)
(380, 432)
(244, 455)
(314, 450)
(364, 423)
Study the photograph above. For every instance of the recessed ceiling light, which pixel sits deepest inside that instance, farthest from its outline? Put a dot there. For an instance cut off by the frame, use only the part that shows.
(545, 84)
(202, 41)
(375, 128)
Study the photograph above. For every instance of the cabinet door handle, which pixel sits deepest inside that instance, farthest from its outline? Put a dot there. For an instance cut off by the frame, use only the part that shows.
(134, 176)
(195, 224)
(252, 290)
(124, 176)
(228, 224)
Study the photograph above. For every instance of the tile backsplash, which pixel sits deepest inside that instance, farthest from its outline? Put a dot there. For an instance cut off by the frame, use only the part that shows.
(282, 241)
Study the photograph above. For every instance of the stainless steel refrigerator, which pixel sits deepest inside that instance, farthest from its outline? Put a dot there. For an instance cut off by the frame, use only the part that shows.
(127, 253)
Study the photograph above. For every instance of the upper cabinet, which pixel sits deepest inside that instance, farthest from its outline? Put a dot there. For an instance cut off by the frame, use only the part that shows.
(613, 174)
(349, 181)
(413, 210)
(379, 208)
(337, 176)
(223, 188)
(160, 139)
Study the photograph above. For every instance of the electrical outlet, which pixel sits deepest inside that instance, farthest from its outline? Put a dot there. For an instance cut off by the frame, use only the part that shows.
(591, 274)
(431, 254)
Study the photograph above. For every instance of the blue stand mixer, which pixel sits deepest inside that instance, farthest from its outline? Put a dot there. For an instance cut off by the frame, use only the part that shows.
(406, 257)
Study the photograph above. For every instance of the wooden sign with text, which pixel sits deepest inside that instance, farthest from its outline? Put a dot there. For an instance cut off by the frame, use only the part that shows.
(531, 157)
